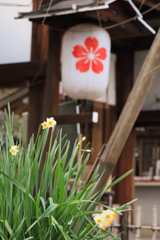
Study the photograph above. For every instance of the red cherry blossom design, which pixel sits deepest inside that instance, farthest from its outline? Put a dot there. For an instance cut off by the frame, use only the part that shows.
(90, 56)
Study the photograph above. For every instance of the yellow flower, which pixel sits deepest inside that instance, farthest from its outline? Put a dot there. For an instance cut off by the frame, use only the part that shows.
(83, 139)
(14, 150)
(104, 219)
(44, 125)
(104, 226)
(51, 122)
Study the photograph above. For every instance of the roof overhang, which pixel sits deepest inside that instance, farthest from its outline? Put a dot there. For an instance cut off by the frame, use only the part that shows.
(121, 18)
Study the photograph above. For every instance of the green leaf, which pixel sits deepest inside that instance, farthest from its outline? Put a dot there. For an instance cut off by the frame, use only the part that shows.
(120, 178)
(9, 229)
(50, 209)
(17, 184)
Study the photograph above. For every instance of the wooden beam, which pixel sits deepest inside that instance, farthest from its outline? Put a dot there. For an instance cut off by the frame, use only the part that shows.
(130, 112)
(73, 118)
(21, 74)
(148, 119)
(20, 94)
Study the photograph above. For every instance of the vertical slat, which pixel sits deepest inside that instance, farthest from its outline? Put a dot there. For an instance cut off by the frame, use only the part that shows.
(129, 222)
(124, 227)
(138, 223)
(154, 222)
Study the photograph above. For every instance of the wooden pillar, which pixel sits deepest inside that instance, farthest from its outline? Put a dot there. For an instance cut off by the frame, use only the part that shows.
(39, 51)
(124, 82)
(51, 90)
(39, 46)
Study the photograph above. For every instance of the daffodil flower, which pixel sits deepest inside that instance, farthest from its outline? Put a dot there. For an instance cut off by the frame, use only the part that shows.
(44, 125)
(50, 123)
(14, 150)
(105, 219)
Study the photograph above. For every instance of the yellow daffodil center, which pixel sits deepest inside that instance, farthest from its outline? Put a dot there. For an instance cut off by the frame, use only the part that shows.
(98, 220)
(114, 215)
(50, 123)
(12, 150)
(104, 226)
(110, 221)
(44, 125)
(107, 216)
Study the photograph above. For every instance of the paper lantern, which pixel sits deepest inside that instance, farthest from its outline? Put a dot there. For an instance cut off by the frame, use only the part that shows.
(85, 60)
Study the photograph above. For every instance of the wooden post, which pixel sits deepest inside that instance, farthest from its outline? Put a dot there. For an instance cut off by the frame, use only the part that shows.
(39, 38)
(124, 224)
(51, 88)
(51, 91)
(39, 51)
(130, 112)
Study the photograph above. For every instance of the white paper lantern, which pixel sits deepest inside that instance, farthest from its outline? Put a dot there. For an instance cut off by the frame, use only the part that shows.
(85, 61)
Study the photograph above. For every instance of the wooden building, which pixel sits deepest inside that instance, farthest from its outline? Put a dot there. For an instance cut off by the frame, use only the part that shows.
(39, 78)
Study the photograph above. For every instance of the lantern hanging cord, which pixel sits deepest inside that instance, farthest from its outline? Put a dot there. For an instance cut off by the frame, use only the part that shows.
(142, 3)
(98, 16)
